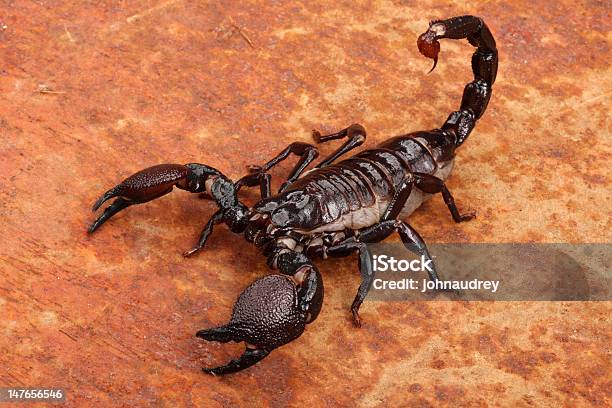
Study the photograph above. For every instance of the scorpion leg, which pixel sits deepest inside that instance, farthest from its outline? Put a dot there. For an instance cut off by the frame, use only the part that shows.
(305, 151)
(365, 269)
(356, 135)
(399, 198)
(205, 234)
(410, 238)
(308, 153)
(253, 179)
(376, 233)
(432, 185)
(271, 312)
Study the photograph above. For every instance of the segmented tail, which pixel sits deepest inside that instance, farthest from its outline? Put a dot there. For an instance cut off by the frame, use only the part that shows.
(477, 93)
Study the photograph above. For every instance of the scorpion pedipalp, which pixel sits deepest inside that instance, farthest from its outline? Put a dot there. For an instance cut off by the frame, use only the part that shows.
(269, 313)
(157, 181)
(143, 186)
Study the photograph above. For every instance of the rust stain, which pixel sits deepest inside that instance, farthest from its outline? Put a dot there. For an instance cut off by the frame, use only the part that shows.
(94, 92)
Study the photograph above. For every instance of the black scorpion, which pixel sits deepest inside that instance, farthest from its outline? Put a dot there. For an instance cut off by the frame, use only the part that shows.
(335, 209)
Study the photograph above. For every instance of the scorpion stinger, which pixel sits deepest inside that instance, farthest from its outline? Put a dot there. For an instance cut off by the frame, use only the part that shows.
(335, 209)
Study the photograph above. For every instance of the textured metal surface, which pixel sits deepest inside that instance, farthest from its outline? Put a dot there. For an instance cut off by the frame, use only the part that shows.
(94, 91)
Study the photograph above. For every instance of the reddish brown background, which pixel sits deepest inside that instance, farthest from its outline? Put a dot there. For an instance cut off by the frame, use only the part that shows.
(111, 317)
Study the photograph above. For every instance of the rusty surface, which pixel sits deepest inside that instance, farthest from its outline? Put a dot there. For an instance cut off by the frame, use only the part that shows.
(94, 91)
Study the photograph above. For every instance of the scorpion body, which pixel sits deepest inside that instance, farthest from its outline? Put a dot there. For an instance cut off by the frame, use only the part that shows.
(334, 209)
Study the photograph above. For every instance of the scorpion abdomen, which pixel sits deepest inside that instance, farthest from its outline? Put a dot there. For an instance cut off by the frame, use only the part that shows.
(356, 191)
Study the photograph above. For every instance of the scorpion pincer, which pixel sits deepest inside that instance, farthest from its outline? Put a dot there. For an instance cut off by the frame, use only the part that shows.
(334, 209)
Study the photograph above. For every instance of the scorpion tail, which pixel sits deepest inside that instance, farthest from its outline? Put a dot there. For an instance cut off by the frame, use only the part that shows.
(477, 93)
(271, 312)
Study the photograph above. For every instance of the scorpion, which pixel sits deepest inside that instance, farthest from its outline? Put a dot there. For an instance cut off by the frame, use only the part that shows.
(334, 209)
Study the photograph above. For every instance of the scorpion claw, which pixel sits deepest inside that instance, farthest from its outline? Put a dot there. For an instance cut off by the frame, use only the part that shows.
(117, 205)
(105, 197)
(267, 315)
(221, 334)
(247, 359)
(143, 186)
(226, 334)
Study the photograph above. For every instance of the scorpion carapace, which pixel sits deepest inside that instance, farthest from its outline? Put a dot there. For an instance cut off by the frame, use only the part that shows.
(334, 209)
